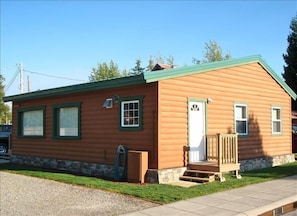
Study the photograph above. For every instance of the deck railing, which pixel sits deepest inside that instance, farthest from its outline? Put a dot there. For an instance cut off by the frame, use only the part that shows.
(222, 148)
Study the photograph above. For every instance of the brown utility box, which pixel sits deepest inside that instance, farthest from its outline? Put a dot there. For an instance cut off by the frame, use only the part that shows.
(137, 166)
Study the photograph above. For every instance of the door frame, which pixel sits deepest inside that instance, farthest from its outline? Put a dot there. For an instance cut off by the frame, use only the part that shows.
(204, 101)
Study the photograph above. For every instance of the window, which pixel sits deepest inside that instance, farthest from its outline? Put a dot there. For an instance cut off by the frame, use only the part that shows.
(31, 122)
(276, 120)
(67, 121)
(131, 114)
(241, 121)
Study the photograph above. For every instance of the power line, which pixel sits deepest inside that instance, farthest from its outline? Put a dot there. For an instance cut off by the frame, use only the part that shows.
(42, 74)
(12, 80)
(38, 73)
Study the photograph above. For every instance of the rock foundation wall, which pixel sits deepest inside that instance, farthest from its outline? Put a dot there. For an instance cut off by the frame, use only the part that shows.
(259, 163)
(89, 169)
(152, 175)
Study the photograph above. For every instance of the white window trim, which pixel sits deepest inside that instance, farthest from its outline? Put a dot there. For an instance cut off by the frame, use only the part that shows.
(276, 120)
(242, 119)
(123, 117)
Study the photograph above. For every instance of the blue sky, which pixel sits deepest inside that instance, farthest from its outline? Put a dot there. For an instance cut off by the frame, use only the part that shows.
(68, 38)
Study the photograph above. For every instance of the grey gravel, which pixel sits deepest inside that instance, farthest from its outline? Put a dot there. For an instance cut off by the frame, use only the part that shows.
(24, 195)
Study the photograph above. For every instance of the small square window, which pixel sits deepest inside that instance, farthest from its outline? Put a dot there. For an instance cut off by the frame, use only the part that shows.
(131, 114)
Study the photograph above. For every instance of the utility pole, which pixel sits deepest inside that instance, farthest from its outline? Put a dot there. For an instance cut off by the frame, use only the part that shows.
(28, 80)
(21, 78)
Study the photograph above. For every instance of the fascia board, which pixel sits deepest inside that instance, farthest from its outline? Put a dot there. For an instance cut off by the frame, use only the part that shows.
(280, 81)
(105, 84)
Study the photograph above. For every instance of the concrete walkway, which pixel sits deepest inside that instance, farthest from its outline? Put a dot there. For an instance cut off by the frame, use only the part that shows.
(251, 200)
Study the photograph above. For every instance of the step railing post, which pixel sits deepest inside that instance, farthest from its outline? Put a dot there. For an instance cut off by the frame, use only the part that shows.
(236, 148)
(219, 144)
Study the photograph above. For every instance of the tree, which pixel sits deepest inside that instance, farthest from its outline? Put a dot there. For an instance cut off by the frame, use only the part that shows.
(170, 60)
(213, 52)
(137, 69)
(5, 115)
(104, 71)
(159, 60)
(125, 73)
(290, 69)
(150, 64)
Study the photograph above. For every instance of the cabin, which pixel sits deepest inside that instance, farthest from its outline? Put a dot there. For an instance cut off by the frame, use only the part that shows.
(232, 115)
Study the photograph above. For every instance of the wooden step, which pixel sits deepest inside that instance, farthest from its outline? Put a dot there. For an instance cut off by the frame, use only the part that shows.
(205, 167)
(199, 176)
(202, 172)
(194, 179)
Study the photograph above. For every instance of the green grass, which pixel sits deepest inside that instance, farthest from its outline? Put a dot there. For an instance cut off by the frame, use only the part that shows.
(160, 193)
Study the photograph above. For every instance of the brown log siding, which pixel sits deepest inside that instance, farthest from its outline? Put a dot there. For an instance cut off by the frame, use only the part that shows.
(249, 84)
(165, 123)
(100, 134)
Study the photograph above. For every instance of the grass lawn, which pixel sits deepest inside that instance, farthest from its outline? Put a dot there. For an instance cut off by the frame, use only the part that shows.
(160, 193)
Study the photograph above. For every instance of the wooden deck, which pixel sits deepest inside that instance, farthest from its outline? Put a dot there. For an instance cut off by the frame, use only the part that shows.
(222, 157)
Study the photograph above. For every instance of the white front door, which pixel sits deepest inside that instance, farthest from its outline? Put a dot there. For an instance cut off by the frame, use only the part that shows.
(196, 115)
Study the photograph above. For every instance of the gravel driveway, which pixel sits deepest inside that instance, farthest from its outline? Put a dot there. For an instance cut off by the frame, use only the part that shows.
(23, 195)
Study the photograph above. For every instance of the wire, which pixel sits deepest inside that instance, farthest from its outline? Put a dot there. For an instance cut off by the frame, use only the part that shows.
(12, 80)
(53, 76)
(18, 71)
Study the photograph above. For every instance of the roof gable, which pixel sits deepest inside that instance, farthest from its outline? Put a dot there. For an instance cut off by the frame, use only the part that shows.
(206, 67)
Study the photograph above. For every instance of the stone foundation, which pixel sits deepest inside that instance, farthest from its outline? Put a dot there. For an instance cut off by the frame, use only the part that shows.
(89, 169)
(173, 174)
(259, 163)
(164, 176)
(161, 176)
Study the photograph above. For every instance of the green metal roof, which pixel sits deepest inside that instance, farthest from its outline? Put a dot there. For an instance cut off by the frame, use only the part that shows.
(105, 84)
(152, 76)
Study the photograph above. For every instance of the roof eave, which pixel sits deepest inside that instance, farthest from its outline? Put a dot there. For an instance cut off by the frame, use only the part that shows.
(281, 82)
(105, 84)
